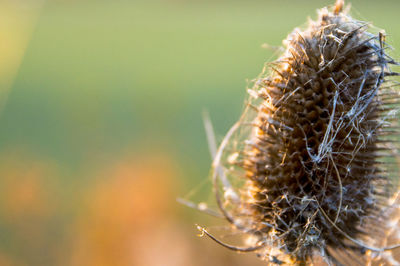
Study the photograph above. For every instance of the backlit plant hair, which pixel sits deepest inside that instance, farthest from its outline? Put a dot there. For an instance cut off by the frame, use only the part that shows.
(317, 163)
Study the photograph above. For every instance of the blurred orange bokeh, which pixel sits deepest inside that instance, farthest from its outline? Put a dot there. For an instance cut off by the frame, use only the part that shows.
(133, 198)
(128, 217)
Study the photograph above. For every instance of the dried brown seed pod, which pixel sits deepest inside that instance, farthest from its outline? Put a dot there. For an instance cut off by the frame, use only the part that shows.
(316, 161)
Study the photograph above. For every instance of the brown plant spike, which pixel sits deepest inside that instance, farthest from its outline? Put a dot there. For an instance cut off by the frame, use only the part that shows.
(316, 162)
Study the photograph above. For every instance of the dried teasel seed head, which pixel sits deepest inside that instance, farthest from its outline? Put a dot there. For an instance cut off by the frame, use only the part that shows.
(316, 177)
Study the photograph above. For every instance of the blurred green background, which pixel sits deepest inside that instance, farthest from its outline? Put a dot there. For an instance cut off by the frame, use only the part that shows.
(100, 120)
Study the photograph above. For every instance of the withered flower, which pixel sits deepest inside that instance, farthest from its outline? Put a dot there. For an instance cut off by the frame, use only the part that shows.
(317, 161)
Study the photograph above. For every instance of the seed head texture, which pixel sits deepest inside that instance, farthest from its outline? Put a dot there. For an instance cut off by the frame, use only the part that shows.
(316, 163)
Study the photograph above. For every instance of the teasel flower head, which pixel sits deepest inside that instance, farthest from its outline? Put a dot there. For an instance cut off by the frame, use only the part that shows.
(309, 169)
